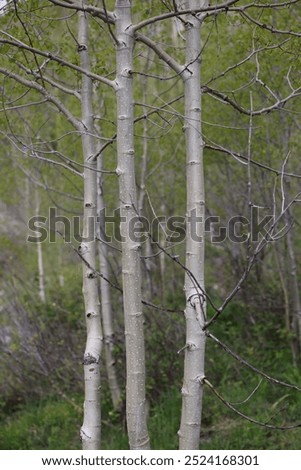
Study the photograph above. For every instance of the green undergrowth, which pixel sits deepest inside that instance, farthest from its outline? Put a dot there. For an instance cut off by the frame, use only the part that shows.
(54, 424)
(35, 417)
(49, 424)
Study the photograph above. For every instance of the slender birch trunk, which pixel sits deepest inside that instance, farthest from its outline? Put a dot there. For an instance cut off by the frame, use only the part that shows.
(106, 304)
(90, 431)
(42, 292)
(192, 391)
(283, 281)
(162, 254)
(294, 290)
(134, 334)
(141, 199)
(294, 285)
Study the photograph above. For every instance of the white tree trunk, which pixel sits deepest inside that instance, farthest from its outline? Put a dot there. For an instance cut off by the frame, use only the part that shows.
(106, 305)
(141, 199)
(42, 292)
(284, 281)
(294, 284)
(134, 334)
(90, 431)
(192, 391)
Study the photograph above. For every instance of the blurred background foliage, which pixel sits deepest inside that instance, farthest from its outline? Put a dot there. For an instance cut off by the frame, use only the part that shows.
(42, 343)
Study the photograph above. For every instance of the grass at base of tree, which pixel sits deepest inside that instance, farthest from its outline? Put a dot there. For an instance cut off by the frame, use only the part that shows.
(54, 424)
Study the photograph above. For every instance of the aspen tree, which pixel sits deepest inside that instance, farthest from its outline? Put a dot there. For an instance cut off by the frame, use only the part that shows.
(192, 390)
(133, 315)
(106, 303)
(91, 428)
(42, 291)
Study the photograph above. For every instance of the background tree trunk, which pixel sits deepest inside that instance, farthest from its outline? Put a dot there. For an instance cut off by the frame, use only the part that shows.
(106, 304)
(42, 291)
(293, 284)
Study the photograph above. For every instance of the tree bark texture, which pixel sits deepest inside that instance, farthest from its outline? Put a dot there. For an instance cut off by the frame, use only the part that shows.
(192, 390)
(91, 428)
(131, 248)
(106, 304)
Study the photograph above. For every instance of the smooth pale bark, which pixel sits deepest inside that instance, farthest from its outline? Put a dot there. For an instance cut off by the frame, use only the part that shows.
(192, 391)
(90, 430)
(162, 254)
(285, 290)
(293, 284)
(133, 316)
(42, 291)
(142, 195)
(106, 304)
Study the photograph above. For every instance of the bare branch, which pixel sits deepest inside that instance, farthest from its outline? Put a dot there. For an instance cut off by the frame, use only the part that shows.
(179, 69)
(269, 237)
(20, 45)
(45, 186)
(259, 80)
(282, 181)
(246, 59)
(30, 152)
(272, 29)
(108, 22)
(106, 16)
(49, 97)
(115, 286)
(276, 106)
(249, 396)
(239, 156)
(215, 9)
(155, 110)
(250, 366)
(36, 156)
(202, 294)
(244, 416)
(49, 80)
(272, 6)
(22, 106)
(29, 39)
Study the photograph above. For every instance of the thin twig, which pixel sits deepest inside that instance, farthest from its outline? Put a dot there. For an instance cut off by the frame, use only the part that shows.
(239, 156)
(244, 416)
(249, 396)
(250, 366)
(115, 286)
